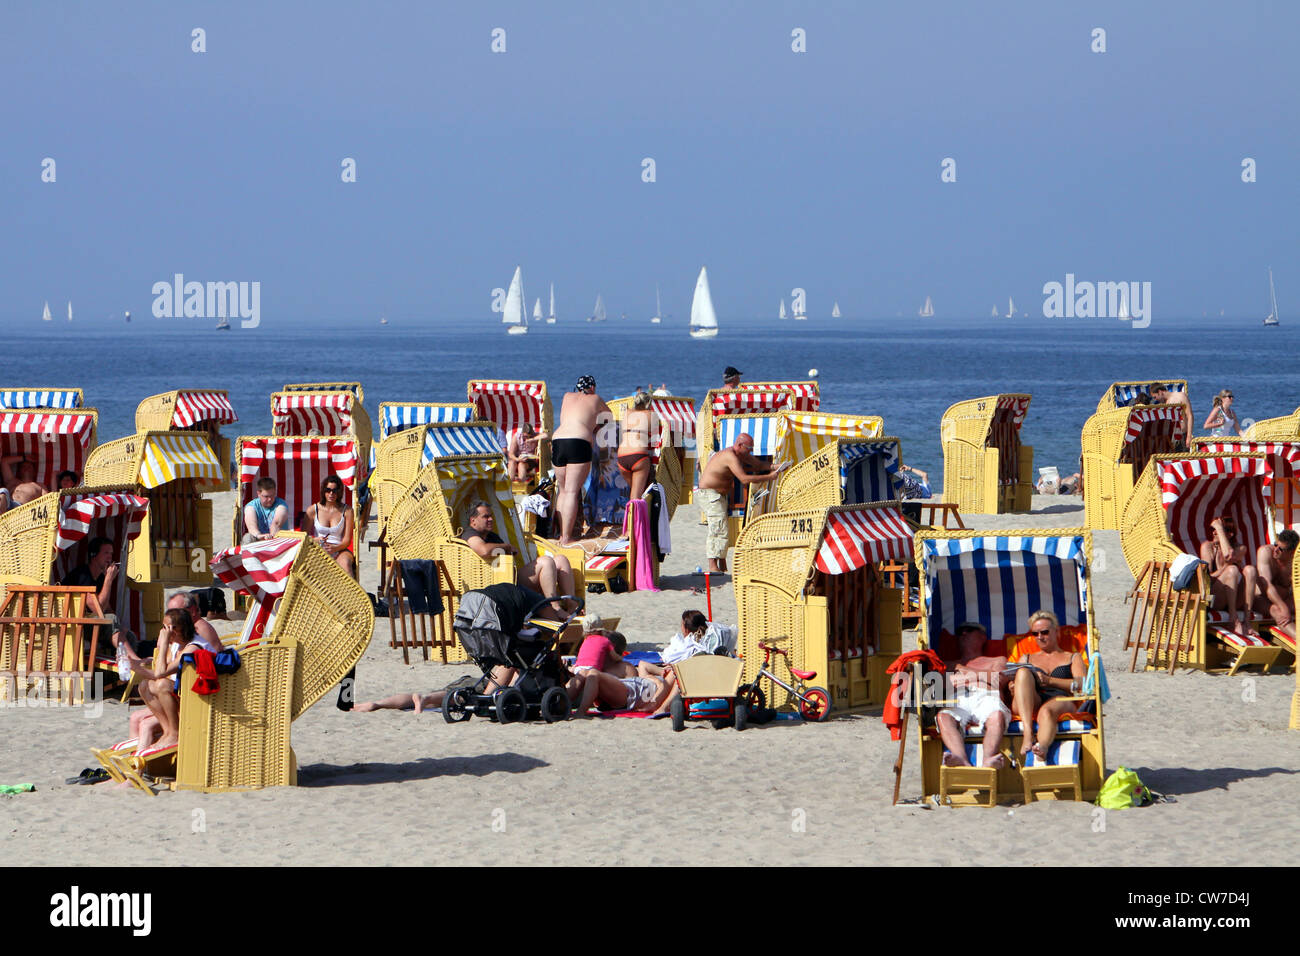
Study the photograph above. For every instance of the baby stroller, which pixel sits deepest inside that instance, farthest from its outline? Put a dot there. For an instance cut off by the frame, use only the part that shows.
(495, 633)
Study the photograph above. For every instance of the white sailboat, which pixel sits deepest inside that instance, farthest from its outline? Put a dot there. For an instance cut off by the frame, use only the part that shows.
(382, 321)
(781, 314)
(45, 316)
(550, 319)
(997, 314)
(69, 310)
(1011, 308)
(1123, 303)
(128, 315)
(514, 316)
(1272, 298)
(657, 318)
(537, 311)
(927, 310)
(224, 324)
(799, 314)
(835, 311)
(704, 321)
(598, 313)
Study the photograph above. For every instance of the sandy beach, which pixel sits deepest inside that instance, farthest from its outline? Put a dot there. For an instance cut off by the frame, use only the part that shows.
(399, 788)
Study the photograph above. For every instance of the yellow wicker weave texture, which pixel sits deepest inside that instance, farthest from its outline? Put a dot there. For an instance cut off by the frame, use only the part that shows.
(1107, 481)
(1283, 428)
(813, 483)
(27, 536)
(155, 412)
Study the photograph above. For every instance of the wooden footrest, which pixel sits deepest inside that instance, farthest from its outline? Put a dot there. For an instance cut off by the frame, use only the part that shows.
(963, 780)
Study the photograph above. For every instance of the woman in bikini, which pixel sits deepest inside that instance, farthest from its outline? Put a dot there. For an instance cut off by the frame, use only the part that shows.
(1234, 581)
(331, 524)
(1041, 692)
(634, 451)
(159, 689)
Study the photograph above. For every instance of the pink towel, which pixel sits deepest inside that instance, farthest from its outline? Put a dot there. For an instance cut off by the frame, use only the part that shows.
(636, 525)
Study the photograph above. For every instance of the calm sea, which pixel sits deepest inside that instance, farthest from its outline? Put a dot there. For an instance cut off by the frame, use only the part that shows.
(907, 371)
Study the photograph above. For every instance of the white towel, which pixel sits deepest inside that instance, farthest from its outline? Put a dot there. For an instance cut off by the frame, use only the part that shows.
(665, 536)
(537, 504)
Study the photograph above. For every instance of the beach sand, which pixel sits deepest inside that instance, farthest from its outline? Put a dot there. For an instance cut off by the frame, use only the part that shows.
(399, 788)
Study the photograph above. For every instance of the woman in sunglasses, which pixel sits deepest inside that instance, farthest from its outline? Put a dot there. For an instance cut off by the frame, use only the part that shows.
(331, 522)
(1042, 690)
(1222, 420)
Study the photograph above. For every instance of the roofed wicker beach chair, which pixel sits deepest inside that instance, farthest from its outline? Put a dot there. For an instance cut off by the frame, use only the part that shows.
(55, 440)
(867, 459)
(40, 398)
(397, 417)
(189, 410)
(1283, 428)
(999, 580)
(168, 468)
(353, 387)
(308, 625)
(1168, 515)
(1124, 394)
(333, 414)
(809, 582)
(402, 457)
(755, 398)
(511, 405)
(1116, 446)
(986, 469)
(671, 446)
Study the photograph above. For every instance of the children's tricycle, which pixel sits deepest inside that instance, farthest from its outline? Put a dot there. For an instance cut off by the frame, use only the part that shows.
(708, 685)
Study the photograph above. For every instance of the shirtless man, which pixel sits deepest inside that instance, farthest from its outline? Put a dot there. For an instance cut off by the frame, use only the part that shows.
(1161, 395)
(571, 448)
(20, 484)
(545, 574)
(977, 681)
(1273, 567)
(1233, 579)
(714, 493)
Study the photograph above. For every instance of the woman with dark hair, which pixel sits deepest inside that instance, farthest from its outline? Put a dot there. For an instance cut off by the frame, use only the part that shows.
(330, 523)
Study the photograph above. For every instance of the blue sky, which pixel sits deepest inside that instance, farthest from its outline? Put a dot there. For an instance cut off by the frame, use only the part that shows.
(776, 169)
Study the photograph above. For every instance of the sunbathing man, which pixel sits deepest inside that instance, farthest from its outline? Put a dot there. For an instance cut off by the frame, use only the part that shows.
(551, 575)
(521, 452)
(1273, 567)
(501, 677)
(714, 492)
(977, 681)
(1161, 395)
(266, 514)
(1233, 579)
(581, 414)
(20, 484)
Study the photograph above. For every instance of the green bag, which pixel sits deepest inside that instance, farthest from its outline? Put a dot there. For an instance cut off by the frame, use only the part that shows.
(1124, 789)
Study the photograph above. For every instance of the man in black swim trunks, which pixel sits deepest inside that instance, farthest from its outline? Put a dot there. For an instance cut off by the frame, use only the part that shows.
(581, 414)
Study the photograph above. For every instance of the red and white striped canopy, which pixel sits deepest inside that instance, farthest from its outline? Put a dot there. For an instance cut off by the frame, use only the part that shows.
(294, 413)
(509, 404)
(1284, 456)
(854, 538)
(751, 399)
(1144, 419)
(79, 512)
(1195, 491)
(806, 395)
(1016, 407)
(194, 408)
(677, 414)
(298, 466)
(56, 441)
(260, 569)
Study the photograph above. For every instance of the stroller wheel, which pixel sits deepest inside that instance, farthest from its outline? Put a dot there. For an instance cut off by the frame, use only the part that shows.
(555, 705)
(511, 705)
(455, 706)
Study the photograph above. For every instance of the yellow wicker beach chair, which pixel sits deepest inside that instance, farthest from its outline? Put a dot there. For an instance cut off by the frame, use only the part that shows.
(352, 387)
(298, 467)
(756, 398)
(1169, 514)
(46, 399)
(57, 440)
(1116, 446)
(1283, 428)
(999, 579)
(809, 582)
(986, 470)
(672, 445)
(511, 404)
(329, 414)
(404, 454)
(1124, 394)
(1284, 458)
(168, 468)
(397, 417)
(861, 460)
(191, 410)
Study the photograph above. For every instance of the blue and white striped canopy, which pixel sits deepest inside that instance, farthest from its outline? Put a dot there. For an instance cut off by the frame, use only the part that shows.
(763, 430)
(999, 581)
(867, 470)
(396, 418)
(1124, 394)
(48, 398)
(450, 440)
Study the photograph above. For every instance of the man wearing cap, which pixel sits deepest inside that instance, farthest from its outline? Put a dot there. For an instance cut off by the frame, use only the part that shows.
(581, 414)
(976, 681)
(1162, 395)
(731, 377)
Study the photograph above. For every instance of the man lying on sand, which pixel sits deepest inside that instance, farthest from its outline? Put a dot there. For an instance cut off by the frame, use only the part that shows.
(501, 677)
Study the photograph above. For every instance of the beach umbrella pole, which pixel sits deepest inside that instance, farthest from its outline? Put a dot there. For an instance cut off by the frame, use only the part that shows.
(708, 595)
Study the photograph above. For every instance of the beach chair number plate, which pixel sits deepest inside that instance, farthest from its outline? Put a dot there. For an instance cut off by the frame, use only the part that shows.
(413, 436)
(419, 491)
(820, 462)
(801, 525)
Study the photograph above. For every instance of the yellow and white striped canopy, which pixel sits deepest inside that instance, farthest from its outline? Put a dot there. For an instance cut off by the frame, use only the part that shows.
(466, 479)
(169, 457)
(800, 434)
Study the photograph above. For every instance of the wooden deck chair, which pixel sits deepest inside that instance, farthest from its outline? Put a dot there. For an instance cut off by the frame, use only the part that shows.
(810, 581)
(986, 468)
(43, 639)
(999, 579)
(511, 405)
(1116, 447)
(169, 468)
(433, 631)
(190, 410)
(45, 399)
(1124, 394)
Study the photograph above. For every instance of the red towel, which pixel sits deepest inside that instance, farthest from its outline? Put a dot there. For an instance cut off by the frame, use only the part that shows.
(892, 714)
(636, 525)
(205, 664)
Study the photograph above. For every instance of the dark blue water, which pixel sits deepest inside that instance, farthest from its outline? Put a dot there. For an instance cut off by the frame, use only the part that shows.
(908, 372)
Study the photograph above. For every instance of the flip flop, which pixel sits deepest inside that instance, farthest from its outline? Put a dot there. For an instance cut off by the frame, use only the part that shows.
(90, 775)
